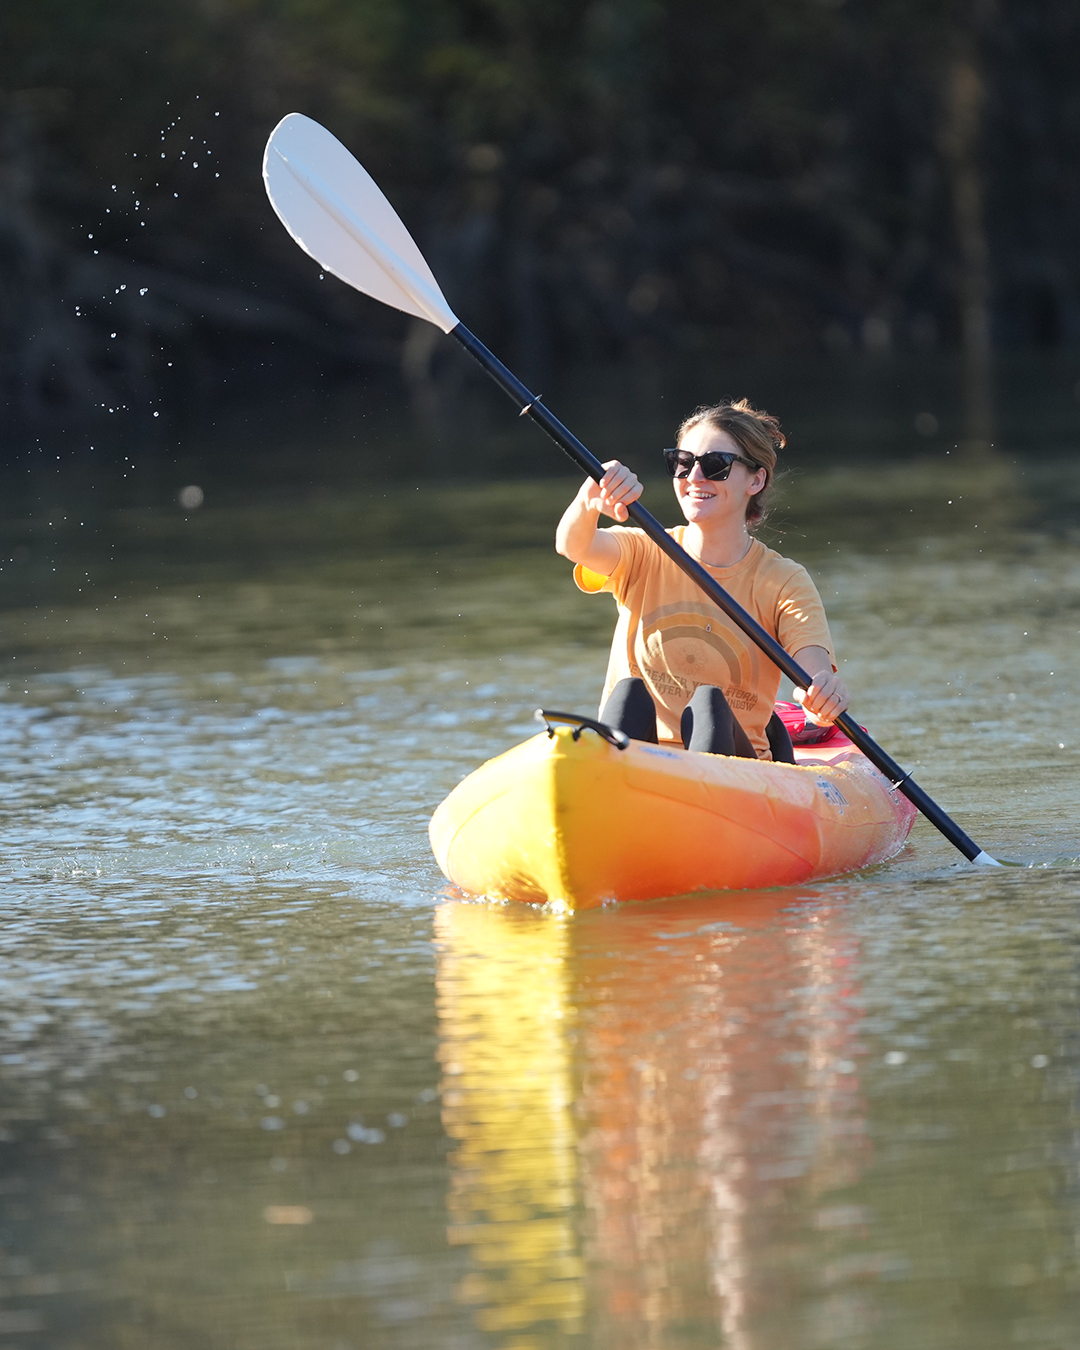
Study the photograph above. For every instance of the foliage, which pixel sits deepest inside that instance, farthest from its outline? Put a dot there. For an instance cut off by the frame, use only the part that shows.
(588, 178)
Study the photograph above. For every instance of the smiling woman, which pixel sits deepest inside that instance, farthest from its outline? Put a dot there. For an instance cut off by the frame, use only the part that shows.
(680, 671)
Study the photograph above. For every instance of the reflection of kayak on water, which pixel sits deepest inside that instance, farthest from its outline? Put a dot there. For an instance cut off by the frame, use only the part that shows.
(643, 1110)
(573, 816)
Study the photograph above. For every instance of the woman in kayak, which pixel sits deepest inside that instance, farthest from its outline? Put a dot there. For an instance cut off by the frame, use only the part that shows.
(680, 671)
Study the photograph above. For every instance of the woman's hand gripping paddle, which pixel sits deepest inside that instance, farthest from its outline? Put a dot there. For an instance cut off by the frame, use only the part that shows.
(335, 212)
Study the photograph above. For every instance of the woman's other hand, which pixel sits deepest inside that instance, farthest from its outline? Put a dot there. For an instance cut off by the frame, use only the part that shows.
(827, 696)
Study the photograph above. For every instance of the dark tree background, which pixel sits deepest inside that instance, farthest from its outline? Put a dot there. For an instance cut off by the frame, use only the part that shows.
(590, 178)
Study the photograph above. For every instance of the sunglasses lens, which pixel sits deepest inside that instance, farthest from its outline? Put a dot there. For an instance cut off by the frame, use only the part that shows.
(716, 464)
(679, 462)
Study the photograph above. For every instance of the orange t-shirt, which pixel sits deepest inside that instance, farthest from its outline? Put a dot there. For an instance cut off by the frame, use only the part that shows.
(672, 636)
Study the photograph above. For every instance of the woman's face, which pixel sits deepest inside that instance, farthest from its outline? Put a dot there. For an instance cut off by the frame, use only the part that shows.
(704, 501)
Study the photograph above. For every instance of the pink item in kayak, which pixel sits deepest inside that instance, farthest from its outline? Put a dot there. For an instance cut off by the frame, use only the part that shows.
(801, 730)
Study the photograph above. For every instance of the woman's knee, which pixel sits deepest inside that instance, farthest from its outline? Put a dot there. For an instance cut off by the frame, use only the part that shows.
(709, 725)
(630, 708)
(783, 752)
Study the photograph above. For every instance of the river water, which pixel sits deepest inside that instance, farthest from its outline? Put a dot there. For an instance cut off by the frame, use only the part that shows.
(266, 1082)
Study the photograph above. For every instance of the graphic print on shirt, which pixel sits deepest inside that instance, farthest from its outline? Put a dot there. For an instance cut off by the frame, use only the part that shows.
(685, 646)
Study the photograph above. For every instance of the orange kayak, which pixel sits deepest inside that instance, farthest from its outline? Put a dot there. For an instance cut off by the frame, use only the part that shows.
(576, 821)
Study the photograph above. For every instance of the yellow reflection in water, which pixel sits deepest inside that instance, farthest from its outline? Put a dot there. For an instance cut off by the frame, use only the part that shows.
(505, 1046)
(649, 1107)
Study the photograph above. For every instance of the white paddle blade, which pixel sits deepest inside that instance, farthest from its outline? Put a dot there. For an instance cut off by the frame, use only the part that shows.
(334, 210)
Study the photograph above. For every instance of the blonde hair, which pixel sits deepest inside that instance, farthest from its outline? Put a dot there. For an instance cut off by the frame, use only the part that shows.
(756, 433)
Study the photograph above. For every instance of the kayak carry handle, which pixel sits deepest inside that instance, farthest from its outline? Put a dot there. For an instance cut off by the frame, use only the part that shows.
(619, 739)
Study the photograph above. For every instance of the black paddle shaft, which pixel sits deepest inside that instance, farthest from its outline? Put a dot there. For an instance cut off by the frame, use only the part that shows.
(531, 406)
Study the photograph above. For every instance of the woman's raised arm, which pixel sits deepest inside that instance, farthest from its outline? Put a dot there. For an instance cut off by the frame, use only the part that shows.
(577, 537)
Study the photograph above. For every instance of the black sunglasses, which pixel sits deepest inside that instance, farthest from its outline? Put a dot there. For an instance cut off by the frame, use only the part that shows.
(715, 464)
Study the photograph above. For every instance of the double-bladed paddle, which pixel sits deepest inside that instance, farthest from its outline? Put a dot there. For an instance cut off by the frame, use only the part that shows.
(335, 211)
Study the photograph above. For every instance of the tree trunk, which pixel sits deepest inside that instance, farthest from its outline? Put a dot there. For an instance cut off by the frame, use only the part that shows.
(964, 101)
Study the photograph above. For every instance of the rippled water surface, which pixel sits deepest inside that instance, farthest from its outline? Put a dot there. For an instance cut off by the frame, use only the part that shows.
(265, 1082)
